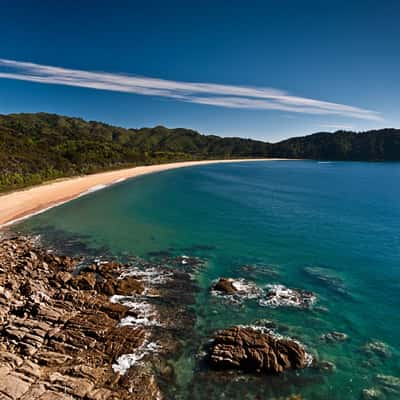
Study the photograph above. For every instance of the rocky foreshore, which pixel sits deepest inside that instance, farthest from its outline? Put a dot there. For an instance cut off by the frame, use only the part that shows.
(86, 335)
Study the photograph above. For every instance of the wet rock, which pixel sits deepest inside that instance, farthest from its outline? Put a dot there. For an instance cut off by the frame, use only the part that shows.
(334, 337)
(389, 384)
(85, 281)
(128, 286)
(326, 366)
(256, 350)
(378, 348)
(225, 285)
(281, 296)
(236, 290)
(372, 394)
(328, 278)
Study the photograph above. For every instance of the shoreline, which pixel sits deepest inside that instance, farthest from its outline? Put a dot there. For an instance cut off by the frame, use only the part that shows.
(22, 204)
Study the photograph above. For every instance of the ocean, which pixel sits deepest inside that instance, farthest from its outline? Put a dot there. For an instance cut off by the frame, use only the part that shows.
(329, 228)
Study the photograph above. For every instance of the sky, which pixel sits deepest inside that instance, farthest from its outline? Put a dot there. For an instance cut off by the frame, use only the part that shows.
(261, 69)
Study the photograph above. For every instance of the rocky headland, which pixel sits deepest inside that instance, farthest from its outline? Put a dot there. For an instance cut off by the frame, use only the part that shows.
(84, 331)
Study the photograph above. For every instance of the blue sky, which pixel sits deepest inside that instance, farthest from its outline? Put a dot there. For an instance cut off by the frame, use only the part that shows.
(267, 70)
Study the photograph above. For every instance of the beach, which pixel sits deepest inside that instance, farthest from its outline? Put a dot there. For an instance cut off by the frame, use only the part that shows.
(169, 267)
(21, 204)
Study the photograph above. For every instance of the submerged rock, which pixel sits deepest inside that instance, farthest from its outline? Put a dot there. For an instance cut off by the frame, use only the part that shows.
(372, 394)
(326, 366)
(256, 350)
(389, 383)
(328, 277)
(334, 336)
(378, 348)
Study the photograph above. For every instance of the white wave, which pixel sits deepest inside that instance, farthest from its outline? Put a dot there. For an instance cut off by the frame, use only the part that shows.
(245, 290)
(145, 313)
(150, 276)
(126, 361)
(119, 180)
(94, 188)
(280, 295)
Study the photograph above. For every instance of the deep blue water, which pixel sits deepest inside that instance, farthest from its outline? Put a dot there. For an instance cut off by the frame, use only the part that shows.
(343, 217)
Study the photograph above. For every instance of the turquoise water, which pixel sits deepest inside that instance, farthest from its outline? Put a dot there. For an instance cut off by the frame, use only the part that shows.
(282, 216)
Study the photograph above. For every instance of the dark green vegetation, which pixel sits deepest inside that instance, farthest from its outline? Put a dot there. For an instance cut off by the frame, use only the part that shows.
(39, 147)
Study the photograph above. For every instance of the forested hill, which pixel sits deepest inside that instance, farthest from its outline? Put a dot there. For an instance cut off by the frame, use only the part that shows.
(39, 147)
(376, 145)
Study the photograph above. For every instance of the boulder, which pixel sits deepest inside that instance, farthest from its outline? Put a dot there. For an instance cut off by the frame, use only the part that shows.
(128, 286)
(225, 285)
(256, 350)
(85, 281)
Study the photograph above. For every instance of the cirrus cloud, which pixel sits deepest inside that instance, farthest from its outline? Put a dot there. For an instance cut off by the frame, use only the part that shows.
(229, 96)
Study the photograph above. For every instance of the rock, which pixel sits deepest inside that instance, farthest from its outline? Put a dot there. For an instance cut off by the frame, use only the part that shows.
(334, 337)
(326, 366)
(85, 281)
(236, 290)
(252, 349)
(281, 296)
(329, 278)
(372, 394)
(30, 369)
(63, 277)
(114, 310)
(108, 288)
(99, 394)
(61, 333)
(378, 348)
(390, 384)
(128, 286)
(14, 386)
(225, 285)
(35, 392)
(75, 386)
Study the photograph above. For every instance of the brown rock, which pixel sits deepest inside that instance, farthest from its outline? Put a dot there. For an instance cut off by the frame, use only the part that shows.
(63, 277)
(75, 386)
(250, 349)
(114, 310)
(225, 285)
(128, 286)
(100, 394)
(35, 392)
(85, 281)
(14, 386)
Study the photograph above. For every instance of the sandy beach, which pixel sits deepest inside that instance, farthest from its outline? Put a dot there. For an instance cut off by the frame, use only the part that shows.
(21, 204)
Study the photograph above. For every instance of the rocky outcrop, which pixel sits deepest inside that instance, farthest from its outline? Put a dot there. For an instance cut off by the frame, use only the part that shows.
(225, 285)
(59, 333)
(247, 348)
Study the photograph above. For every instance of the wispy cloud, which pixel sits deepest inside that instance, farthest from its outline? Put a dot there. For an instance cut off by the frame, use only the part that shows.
(257, 98)
(337, 127)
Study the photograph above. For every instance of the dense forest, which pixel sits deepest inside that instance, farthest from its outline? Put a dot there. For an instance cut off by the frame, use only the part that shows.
(39, 147)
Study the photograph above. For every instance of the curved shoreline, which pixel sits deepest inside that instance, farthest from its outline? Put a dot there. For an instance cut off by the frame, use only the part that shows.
(22, 204)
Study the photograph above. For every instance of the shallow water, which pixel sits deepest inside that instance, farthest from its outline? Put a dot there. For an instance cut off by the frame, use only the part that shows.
(276, 219)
